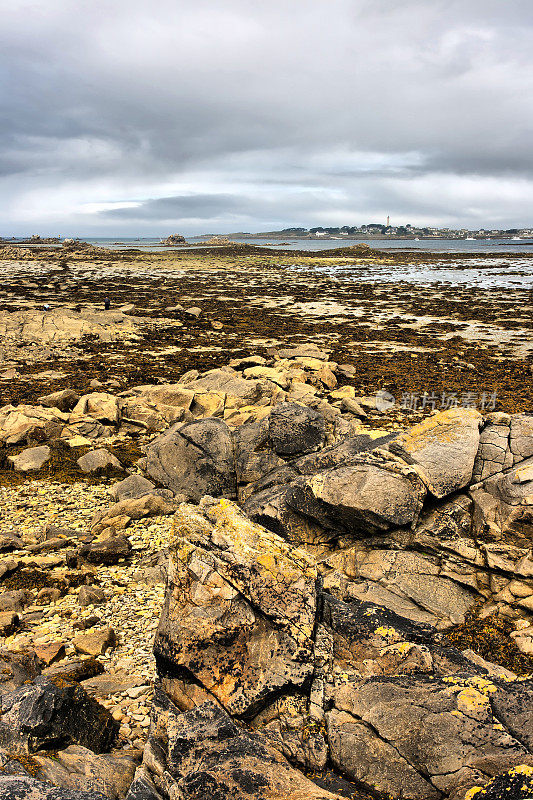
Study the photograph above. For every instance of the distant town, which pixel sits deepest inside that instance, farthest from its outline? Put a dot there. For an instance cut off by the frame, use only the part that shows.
(376, 230)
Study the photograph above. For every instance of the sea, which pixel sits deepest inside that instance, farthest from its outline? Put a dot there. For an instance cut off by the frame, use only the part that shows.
(482, 272)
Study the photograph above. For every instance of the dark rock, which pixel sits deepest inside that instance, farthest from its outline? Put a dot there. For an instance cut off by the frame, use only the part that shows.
(14, 787)
(16, 669)
(51, 712)
(105, 551)
(195, 459)
(9, 622)
(90, 596)
(16, 600)
(295, 430)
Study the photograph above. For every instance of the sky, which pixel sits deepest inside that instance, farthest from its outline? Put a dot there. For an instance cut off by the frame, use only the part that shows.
(129, 117)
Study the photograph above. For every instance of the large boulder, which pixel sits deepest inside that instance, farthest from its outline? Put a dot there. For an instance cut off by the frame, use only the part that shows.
(210, 755)
(239, 611)
(194, 459)
(376, 494)
(443, 448)
(30, 424)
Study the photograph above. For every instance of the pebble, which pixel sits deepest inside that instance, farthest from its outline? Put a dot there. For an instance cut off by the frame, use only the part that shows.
(131, 608)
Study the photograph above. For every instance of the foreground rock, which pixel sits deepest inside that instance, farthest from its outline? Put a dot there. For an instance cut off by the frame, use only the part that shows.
(247, 634)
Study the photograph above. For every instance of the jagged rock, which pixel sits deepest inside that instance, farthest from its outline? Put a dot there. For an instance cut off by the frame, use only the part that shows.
(443, 447)
(96, 642)
(9, 542)
(194, 459)
(16, 669)
(102, 406)
(96, 461)
(295, 430)
(240, 604)
(48, 653)
(494, 454)
(18, 787)
(210, 755)
(33, 458)
(64, 400)
(142, 787)
(52, 712)
(521, 436)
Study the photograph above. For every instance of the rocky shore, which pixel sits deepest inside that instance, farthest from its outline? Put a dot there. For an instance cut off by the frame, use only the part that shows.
(233, 563)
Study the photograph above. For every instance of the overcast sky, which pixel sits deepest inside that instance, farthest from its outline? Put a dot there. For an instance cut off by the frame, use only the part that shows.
(157, 116)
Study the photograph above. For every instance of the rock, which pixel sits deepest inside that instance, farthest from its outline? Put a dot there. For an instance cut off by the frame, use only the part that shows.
(17, 787)
(105, 551)
(131, 487)
(50, 712)
(194, 459)
(98, 461)
(33, 458)
(193, 311)
(503, 511)
(256, 602)
(49, 653)
(30, 424)
(515, 784)
(9, 622)
(64, 400)
(17, 668)
(16, 600)
(102, 406)
(494, 454)
(173, 239)
(211, 755)
(10, 542)
(295, 430)
(96, 642)
(117, 515)
(521, 436)
(443, 448)
(77, 768)
(76, 669)
(142, 787)
(374, 495)
(90, 596)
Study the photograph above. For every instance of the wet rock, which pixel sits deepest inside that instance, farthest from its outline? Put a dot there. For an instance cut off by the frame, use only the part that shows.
(443, 448)
(52, 712)
(194, 459)
(97, 461)
(33, 458)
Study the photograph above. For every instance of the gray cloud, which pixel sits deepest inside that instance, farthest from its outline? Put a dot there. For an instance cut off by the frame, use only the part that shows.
(126, 116)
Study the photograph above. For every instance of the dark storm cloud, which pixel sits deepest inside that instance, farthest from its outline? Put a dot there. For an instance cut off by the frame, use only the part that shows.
(124, 115)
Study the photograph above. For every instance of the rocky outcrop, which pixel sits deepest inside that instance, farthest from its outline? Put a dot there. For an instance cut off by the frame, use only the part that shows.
(249, 641)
